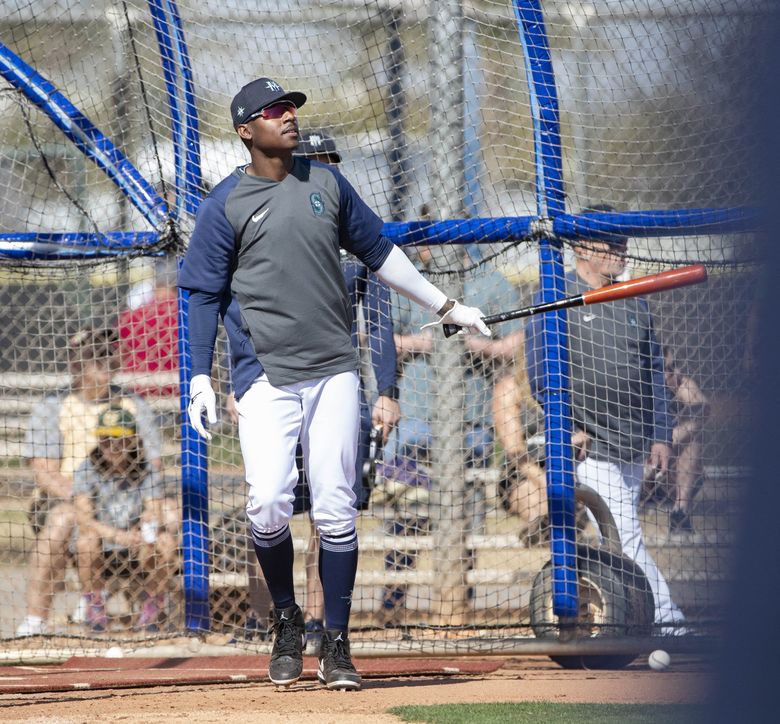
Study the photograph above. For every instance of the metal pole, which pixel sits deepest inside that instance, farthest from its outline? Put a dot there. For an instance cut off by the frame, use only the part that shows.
(445, 28)
(395, 108)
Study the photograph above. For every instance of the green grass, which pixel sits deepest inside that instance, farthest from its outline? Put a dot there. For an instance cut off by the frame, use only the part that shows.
(533, 712)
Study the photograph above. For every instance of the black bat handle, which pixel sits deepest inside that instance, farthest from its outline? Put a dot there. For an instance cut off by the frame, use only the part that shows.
(450, 329)
(576, 301)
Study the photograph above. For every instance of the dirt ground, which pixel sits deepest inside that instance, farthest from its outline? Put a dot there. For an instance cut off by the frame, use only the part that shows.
(519, 679)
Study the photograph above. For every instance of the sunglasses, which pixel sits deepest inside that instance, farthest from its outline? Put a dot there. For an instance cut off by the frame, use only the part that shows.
(274, 111)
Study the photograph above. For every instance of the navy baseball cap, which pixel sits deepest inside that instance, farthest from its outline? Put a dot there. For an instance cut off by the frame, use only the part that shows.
(257, 95)
(316, 142)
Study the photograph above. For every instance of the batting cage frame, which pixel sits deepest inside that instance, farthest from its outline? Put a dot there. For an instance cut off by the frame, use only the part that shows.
(552, 228)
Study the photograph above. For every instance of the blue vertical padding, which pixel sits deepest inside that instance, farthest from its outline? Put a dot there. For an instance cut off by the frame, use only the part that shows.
(194, 454)
(194, 488)
(559, 467)
(192, 181)
(550, 203)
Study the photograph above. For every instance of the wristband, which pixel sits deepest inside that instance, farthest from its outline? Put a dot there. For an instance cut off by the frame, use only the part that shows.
(391, 392)
(446, 307)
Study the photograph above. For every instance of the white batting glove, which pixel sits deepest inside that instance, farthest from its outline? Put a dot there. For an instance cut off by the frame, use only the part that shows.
(469, 319)
(202, 399)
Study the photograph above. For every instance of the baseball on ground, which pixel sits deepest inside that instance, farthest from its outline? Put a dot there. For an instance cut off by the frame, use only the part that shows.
(659, 660)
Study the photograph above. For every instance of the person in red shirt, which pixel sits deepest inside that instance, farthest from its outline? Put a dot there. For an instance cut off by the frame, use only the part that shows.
(149, 338)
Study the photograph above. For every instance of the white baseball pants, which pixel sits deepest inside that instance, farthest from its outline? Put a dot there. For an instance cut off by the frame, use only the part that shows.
(619, 487)
(325, 414)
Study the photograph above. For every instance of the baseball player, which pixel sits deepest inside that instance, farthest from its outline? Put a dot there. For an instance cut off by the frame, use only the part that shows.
(363, 290)
(264, 255)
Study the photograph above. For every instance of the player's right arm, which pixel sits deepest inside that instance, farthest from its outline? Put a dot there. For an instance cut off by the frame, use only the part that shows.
(206, 273)
(360, 233)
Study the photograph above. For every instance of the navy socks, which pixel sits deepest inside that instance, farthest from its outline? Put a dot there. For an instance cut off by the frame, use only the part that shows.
(275, 555)
(338, 566)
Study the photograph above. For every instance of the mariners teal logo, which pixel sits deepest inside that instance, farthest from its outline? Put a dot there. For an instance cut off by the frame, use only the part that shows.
(317, 204)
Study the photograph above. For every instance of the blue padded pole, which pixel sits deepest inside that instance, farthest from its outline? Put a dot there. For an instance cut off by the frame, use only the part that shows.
(459, 231)
(74, 245)
(665, 222)
(177, 73)
(164, 31)
(85, 136)
(194, 472)
(192, 180)
(550, 203)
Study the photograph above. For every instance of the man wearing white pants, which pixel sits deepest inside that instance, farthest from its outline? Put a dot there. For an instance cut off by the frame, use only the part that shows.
(619, 485)
(619, 401)
(265, 257)
(268, 424)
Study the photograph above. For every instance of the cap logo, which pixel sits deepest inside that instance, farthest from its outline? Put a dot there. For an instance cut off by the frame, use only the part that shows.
(111, 418)
(273, 85)
(240, 111)
(315, 140)
(317, 204)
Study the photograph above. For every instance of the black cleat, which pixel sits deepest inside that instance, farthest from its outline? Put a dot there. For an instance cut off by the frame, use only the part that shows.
(336, 669)
(287, 653)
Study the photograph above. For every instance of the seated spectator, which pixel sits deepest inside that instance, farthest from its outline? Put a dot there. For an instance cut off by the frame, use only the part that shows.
(523, 488)
(118, 498)
(60, 436)
(403, 487)
(486, 360)
(689, 408)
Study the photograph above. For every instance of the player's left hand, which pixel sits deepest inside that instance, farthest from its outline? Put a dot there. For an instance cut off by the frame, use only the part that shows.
(469, 319)
(386, 414)
(202, 399)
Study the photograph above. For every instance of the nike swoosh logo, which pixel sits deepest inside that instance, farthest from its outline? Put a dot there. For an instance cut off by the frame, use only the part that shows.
(588, 317)
(259, 217)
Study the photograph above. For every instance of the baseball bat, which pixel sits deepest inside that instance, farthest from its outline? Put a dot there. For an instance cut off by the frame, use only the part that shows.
(652, 283)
